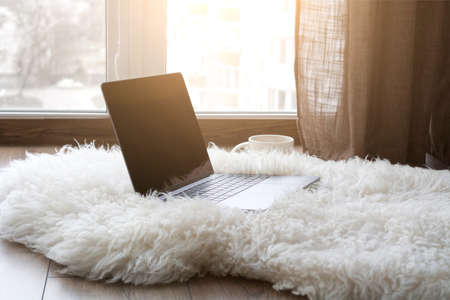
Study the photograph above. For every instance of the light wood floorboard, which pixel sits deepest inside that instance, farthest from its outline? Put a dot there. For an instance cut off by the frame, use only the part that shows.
(76, 288)
(22, 273)
(235, 288)
(26, 275)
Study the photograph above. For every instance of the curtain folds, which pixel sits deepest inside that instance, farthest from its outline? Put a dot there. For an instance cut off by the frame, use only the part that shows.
(368, 74)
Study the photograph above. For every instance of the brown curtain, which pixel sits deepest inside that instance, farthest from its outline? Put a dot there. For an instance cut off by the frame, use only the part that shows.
(368, 73)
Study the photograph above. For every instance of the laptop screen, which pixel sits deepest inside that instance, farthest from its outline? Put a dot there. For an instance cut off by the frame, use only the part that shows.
(158, 132)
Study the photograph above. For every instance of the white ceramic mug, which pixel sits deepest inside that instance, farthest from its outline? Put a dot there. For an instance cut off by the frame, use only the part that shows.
(267, 142)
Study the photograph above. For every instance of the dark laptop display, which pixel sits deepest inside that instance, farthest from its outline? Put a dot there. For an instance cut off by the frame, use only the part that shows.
(154, 118)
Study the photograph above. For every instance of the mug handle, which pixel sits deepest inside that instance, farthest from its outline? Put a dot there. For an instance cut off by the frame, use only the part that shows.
(240, 147)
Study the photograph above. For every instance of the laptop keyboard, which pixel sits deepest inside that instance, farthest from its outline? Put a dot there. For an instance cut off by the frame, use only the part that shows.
(224, 186)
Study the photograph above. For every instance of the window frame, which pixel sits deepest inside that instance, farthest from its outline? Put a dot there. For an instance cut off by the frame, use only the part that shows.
(132, 62)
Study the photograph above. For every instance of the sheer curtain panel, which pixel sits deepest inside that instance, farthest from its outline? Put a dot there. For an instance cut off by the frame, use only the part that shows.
(368, 74)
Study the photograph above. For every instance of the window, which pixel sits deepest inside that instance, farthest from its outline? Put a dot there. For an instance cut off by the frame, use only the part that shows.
(233, 53)
(52, 55)
(236, 56)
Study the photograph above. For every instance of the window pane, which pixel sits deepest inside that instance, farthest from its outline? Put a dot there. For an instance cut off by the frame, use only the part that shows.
(52, 55)
(234, 54)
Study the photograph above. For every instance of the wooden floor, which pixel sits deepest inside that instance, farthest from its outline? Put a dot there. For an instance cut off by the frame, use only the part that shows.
(27, 275)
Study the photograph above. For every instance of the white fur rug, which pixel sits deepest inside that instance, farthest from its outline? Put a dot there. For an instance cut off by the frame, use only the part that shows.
(371, 230)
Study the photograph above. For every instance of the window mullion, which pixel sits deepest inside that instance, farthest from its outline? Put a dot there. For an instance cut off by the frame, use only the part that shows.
(136, 38)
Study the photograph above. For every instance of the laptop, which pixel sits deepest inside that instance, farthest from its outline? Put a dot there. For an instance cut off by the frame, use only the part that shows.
(164, 150)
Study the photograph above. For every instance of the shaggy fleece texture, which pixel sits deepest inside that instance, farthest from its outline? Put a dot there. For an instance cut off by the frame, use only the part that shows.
(370, 230)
